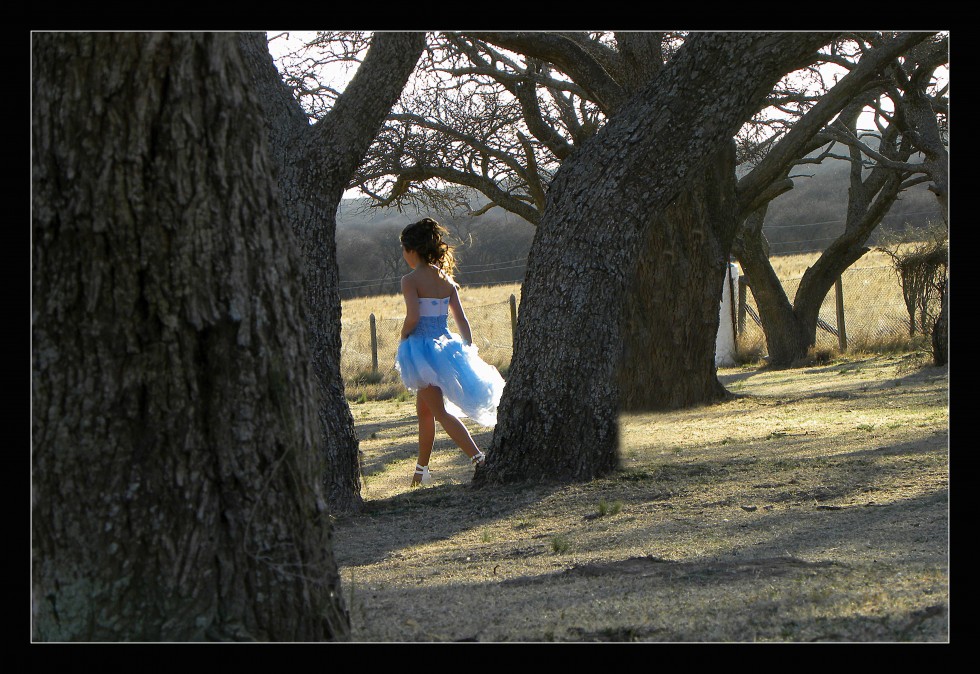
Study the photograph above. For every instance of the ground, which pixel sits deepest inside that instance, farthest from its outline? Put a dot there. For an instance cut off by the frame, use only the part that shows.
(811, 507)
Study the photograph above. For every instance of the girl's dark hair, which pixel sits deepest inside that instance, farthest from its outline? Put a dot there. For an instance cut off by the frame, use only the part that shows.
(426, 237)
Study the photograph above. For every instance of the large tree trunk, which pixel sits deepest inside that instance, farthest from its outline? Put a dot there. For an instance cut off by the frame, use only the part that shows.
(176, 444)
(791, 330)
(558, 419)
(672, 319)
(315, 164)
(787, 337)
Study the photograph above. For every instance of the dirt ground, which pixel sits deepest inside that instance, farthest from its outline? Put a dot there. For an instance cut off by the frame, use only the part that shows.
(812, 507)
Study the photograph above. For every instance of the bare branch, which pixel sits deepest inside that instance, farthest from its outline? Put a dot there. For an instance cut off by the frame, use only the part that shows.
(821, 113)
(568, 55)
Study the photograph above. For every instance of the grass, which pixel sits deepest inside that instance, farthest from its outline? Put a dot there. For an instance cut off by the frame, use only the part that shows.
(813, 507)
(560, 544)
(606, 508)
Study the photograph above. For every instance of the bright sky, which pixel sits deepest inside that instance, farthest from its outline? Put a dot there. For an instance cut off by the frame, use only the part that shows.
(284, 42)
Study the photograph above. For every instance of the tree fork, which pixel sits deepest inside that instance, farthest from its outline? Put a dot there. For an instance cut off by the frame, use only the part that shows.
(558, 419)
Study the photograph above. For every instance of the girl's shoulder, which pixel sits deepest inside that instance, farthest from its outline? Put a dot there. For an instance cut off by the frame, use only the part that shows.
(409, 280)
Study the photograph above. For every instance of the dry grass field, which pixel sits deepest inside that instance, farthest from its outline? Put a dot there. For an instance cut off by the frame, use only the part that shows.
(393, 306)
(873, 299)
(813, 507)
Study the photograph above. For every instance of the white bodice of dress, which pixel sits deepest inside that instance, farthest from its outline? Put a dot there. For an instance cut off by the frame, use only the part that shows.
(432, 306)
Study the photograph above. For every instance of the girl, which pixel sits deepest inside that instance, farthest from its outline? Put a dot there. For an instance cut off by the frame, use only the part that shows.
(444, 368)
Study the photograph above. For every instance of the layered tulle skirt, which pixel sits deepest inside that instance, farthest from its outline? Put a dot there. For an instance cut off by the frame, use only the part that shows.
(434, 356)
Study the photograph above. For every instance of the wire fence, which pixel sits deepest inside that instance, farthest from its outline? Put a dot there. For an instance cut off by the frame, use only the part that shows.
(368, 347)
(873, 310)
(873, 305)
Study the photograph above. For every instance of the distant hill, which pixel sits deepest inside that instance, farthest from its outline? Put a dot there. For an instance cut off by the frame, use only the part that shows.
(812, 214)
(494, 245)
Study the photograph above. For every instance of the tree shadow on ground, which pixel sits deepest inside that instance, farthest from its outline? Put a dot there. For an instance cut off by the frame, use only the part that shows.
(381, 456)
(799, 556)
(421, 516)
(923, 372)
(434, 513)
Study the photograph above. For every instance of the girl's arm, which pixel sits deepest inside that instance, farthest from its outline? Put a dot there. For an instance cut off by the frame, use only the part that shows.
(411, 306)
(457, 308)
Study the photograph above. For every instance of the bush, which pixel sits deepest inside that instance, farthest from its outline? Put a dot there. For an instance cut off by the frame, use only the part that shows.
(920, 258)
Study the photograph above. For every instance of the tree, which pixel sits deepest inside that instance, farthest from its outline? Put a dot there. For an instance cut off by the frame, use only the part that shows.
(558, 419)
(176, 444)
(314, 166)
(484, 120)
(790, 327)
(520, 122)
(501, 125)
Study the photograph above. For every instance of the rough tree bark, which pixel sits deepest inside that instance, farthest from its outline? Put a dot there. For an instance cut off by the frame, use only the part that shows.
(666, 364)
(558, 419)
(176, 444)
(672, 318)
(314, 166)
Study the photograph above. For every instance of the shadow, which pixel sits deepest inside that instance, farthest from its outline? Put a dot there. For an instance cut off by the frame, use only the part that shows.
(918, 373)
(380, 456)
(929, 374)
(694, 571)
(798, 556)
(733, 378)
(905, 449)
(883, 529)
(430, 514)
(366, 430)
(440, 512)
(842, 367)
(800, 542)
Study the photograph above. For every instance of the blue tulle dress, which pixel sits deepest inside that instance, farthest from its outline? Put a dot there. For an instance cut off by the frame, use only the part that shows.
(432, 355)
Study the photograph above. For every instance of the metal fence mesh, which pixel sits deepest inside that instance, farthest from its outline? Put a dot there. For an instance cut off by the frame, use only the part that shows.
(874, 309)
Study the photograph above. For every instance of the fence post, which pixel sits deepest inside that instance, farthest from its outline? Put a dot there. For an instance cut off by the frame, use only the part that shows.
(841, 331)
(374, 346)
(743, 285)
(513, 320)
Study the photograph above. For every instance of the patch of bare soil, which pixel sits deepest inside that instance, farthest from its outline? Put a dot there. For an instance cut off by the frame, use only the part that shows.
(812, 507)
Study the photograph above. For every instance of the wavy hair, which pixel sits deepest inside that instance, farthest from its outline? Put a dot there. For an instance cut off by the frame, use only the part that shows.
(427, 238)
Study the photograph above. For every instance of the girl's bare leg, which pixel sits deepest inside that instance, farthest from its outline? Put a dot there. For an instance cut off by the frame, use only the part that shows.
(427, 434)
(431, 396)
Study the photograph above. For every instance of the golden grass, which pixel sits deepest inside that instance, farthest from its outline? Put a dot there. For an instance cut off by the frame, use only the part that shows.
(875, 313)
(794, 266)
(811, 508)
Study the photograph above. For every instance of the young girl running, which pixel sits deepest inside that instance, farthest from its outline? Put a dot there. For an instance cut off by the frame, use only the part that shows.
(443, 368)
